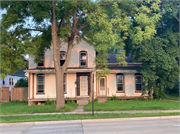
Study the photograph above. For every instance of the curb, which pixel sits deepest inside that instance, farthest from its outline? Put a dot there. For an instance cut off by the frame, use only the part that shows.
(90, 120)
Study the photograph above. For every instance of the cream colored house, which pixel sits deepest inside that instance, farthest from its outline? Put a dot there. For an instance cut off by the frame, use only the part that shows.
(80, 77)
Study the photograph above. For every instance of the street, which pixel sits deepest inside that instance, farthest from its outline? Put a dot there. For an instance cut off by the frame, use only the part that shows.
(148, 126)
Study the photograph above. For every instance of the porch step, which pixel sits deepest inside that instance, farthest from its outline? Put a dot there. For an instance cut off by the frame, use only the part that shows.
(102, 100)
(83, 102)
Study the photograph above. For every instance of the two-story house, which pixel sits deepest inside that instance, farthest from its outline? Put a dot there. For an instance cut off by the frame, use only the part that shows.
(80, 76)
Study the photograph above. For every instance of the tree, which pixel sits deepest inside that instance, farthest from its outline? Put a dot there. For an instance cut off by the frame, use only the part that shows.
(104, 23)
(160, 56)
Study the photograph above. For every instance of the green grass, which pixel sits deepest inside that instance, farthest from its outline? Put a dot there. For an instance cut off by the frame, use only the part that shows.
(23, 108)
(134, 105)
(32, 118)
(173, 97)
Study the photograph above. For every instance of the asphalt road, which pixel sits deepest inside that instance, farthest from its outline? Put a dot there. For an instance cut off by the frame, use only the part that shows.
(148, 126)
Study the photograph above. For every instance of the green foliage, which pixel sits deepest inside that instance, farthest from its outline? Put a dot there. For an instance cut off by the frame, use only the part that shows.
(108, 99)
(114, 97)
(96, 100)
(48, 102)
(174, 90)
(23, 82)
(159, 94)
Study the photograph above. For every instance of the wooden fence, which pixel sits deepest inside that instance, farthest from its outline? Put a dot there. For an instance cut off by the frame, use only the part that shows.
(4, 93)
(19, 93)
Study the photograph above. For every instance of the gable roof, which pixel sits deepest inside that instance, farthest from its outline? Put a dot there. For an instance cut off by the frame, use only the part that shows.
(20, 73)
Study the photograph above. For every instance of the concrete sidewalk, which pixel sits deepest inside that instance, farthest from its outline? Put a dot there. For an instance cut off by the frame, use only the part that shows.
(80, 111)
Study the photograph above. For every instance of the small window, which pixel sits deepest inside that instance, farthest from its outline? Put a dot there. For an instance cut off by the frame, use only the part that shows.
(3, 82)
(138, 82)
(9, 81)
(119, 78)
(41, 63)
(12, 81)
(40, 82)
(64, 83)
(62, 57)
(83, 58)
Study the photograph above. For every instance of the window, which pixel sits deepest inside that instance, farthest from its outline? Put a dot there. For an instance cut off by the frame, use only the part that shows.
(83, 58)
(40, 82)
(64, 83)
(9, 81)
(3, 82)
(62, 57)
(41, 63)
(12, 81)
(120, 81)
(138, 78)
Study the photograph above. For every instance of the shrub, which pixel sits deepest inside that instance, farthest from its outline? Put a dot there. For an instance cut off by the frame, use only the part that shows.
(48, 102)
(114, 97)
(108, 99)
(174, 90)
(159, 94)
(96, 100)
(22, 83)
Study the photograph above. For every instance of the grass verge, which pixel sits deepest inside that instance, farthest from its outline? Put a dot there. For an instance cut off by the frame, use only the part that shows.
(32, 118)
(138, 104)
(23, 108)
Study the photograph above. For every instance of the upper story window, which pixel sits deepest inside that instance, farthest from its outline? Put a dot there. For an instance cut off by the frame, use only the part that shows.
(41, 63)
(3, 82)
(12, 81)
(138, 78)
(62, 57)
(120, 82)
(83, 59)
(9, 81)
(40, 83)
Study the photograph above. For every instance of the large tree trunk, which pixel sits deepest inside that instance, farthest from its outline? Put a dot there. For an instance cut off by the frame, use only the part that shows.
(56, 57)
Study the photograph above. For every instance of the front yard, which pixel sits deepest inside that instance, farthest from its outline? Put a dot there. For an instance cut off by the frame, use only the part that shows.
(143, 104)
(23, 108)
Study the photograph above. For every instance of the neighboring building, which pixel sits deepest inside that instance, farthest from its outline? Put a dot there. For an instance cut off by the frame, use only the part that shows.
(80, 77)
(11, 80)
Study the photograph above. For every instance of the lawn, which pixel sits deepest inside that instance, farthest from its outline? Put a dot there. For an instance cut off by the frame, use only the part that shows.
(173, 97)
(134, 105)
(23, 108)
(55, 117)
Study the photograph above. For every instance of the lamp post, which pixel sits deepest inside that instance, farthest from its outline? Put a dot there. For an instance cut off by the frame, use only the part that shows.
(93, 95)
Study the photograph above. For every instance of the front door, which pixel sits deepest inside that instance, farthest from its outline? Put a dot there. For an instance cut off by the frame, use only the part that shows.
(102, 87)
(83, 85)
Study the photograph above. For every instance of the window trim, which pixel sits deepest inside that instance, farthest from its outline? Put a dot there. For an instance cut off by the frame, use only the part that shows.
(43, 62)
(138, 91)
(120, 83)
(84, 60)
(39, 93)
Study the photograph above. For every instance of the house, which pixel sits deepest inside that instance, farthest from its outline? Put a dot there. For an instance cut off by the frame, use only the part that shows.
(80, 76)
(11, 80)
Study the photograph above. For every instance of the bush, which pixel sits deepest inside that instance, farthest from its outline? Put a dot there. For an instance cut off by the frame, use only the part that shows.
(108, 99)
(48, 102)
(159, 94)
(96, 100)
(114, 97)
(22, 83)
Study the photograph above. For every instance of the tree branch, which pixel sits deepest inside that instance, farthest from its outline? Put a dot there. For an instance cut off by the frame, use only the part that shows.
(79, 17)
(83, 25)
(62, 19)
(38, 30)
(177, 18)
